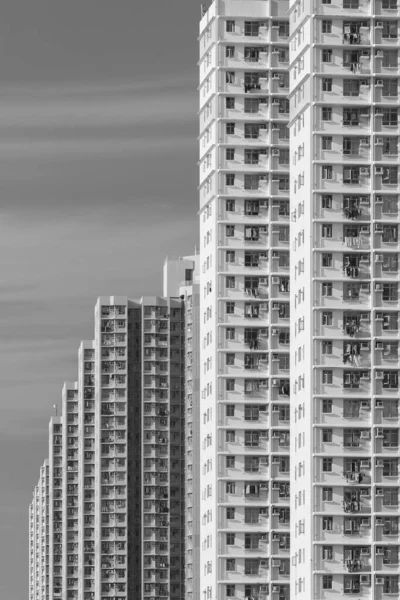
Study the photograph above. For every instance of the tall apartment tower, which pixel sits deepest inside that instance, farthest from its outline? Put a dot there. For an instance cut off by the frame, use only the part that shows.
(244, 300)
(344, 140)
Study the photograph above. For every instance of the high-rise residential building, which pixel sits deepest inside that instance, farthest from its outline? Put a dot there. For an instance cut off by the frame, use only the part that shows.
(38, 537)
(244, 300)
(344, 141)
(109, 518)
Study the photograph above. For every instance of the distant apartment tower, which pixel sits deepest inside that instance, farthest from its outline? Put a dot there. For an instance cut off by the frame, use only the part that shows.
(244, 300)
(38, 537)
(117, 524)
(344, 143)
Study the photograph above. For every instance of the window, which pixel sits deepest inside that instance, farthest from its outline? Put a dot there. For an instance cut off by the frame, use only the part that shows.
(251, 105)
(230, 564)
(327, 55)
(327, 523)
(390, 467)
(353, 4)
(230, 26)
(390, 57)
(230, 154)
(327, 462)
(327, 347)
(327, 145)
(390, 497)
(230, 282)
(327, 494)
(326, 201)
(230, 359)
(252, 130)
(251, 438)
(230, 53)
(389, 4)
(390, 85)
(251, 464)
(230, 410)
(326, 1)
(230, 231)
(326, 28)
(326, 259)
(327, 582)
(327, 552)
(251, 566)
(230, 105)
(230, 333)
(326, 230)
(327, 113)
(230, 128)
(230, 385)
(230, 205)
(230, 77)
(230, 489)
(327, 171)
(389, 293)
(230, 539)
(351, 87)
(230, 179)
(230, 308)
(327, 289)
(230, 463)
(327, 376)
(230, 511)
(327, 318)
(251, 413)
(230, 255)
(390, 117)
(251, 515)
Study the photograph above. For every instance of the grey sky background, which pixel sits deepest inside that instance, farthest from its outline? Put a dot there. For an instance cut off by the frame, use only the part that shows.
(98, 182)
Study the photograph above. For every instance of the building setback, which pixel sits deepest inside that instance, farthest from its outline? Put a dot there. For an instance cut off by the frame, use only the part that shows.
(116, 467)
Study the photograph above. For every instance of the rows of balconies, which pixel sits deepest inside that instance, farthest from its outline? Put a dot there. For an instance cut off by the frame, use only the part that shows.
(335, 381)
(345, 119)
(356, 354)
(336, 90)
(257, 57)
(357, 61)
(354, 147)
(357, 266)
(251, 108)
(254, 133)
(357, 324)
(329, 176)
(356, 33)
(332, 294)
(347, 8)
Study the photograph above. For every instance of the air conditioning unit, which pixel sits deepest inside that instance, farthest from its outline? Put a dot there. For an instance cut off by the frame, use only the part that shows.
(276, 537)
(379, 580)
(364, 579)
(364, 346)
(364, 112)
(263, 563)
(378, 171)
(364, 53)
(379, 141)
(379, 520)
(364, 464)
(364, 317)
(276, 588)
(364, 229)
(379, 432)
(275, 101)
(378, 258)
(364, 199)
(380, 551)
(275, 280)
(275, 126)
(263, 280)
(275, 76)
(263, 486)
(264, 588)
(378, 227)
(379, 25)
(264, 203)
(276, 511)
(379, 375)
(379, 53)
(276, 434)
(379, 492)
(378, 112)
(275, 152)
(379, 404)
(378, 287)
(379, 463)
(365, 375)
(276, 562)
(379, 83)
(379, 200)
(276, 461)
(275, 382)
(364, 171)
(275, 331)
(364, 435)
(379, 345)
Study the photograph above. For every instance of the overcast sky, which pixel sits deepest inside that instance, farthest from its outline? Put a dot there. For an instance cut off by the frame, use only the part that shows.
(98, 183)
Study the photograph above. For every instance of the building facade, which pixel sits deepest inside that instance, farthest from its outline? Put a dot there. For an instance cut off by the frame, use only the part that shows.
(244, 300)
(344, 133)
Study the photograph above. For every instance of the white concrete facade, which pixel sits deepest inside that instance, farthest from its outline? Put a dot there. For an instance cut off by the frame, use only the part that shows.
(244, 300)
(344, 134)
